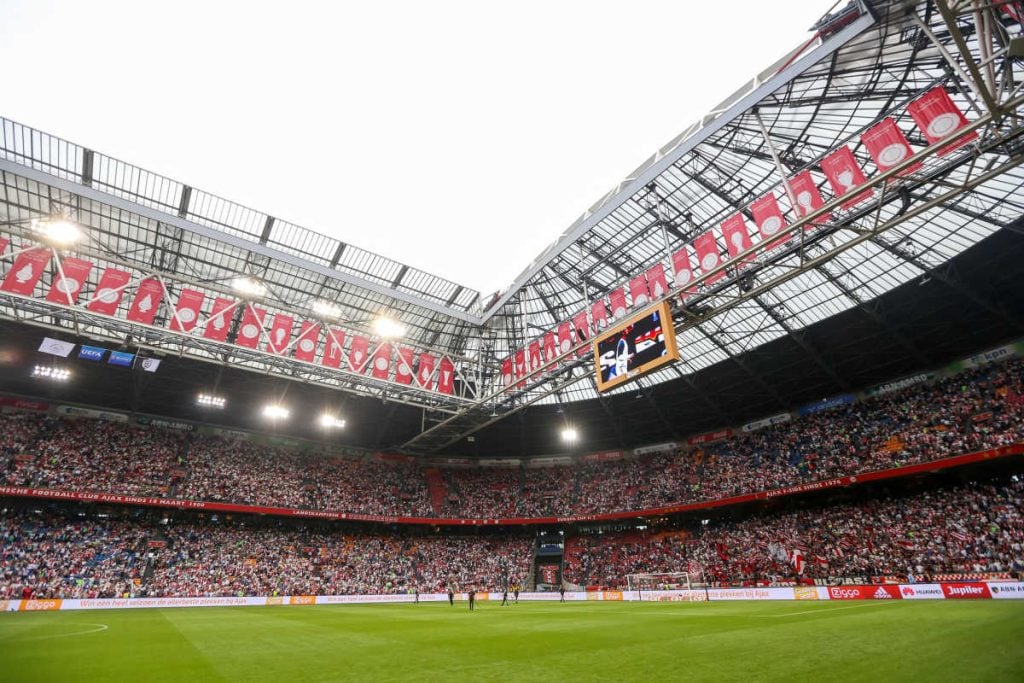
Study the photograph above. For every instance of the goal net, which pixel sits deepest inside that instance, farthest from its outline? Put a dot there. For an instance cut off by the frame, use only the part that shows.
(665, 581)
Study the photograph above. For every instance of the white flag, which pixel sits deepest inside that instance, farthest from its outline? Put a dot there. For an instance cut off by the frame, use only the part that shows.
(150, 364)
(56, 347)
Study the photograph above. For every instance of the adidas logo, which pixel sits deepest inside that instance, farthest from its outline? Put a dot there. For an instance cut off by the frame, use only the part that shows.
(881, 594)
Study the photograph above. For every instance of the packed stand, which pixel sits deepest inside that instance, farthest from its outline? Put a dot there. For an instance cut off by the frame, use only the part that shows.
(967, 529)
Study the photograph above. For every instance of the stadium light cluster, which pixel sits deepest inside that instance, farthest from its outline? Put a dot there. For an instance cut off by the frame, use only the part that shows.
(57, 230)
(51, 373)
(388, 328)
(211, 401)
(570, 435)
(249, 287)
(329, 421)
(325, 309)
(276, 411)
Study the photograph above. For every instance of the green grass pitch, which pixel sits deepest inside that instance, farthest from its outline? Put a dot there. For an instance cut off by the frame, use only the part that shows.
(748, 641)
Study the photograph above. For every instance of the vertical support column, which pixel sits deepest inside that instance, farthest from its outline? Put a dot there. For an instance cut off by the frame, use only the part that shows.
(782, 178)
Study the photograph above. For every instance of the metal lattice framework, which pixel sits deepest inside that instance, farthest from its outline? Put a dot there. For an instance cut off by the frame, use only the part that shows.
(864, 63)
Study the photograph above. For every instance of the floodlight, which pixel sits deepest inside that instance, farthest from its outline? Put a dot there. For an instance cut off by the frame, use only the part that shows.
(388, 328)
(58, 231)
(569, 435)
(325, 309)
(211, 401)
(276, 411)
(249, 288)
(51, 373)
(329, 421)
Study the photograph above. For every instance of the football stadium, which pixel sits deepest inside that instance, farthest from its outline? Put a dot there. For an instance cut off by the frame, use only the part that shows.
(757, 414)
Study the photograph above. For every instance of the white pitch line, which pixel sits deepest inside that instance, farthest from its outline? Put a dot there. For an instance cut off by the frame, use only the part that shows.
(101, 627)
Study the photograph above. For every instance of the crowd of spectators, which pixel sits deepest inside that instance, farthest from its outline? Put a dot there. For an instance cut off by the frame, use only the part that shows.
(47, 556)
(966, 529)
(974, 410)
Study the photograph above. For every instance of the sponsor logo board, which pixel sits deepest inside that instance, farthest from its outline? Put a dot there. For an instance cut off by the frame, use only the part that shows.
(961, 591)
(881, 592)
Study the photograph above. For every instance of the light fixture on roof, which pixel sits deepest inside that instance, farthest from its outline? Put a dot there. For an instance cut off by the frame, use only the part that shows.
(211, 401)
(325, 309)
(570, 435)
(57, 230)
(276, 411)
(330, 421)
(388, 328)
(51, 373)
(249, 288)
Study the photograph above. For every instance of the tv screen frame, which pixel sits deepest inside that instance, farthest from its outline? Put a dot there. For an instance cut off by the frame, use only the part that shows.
(627, 330)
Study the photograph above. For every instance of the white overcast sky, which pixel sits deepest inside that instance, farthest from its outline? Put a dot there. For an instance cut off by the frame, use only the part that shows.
(458, 137)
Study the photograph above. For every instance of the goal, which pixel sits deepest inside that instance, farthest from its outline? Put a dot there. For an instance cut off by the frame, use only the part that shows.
(666, 581)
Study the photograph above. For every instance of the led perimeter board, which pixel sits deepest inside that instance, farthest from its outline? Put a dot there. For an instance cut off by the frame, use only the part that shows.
(638, 345)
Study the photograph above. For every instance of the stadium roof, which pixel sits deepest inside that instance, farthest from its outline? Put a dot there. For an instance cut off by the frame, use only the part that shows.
(864, 63)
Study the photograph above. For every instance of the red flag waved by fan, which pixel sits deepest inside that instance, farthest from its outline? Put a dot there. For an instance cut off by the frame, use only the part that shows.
(938, 117)
(807, 197)
(844, 175)
(888, 146)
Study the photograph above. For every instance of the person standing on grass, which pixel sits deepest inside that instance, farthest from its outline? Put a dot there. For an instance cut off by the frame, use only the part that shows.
(451, 596)
(504, 596)
(561, 592)
(515, 592)
(472, 599)
(417, 600)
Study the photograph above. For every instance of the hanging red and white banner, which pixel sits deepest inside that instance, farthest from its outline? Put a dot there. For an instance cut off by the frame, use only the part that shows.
(67, 286)
(309, 337)
(617, 299)
(888, 146)
(520, 366)
(335, 349)
(565, 337)
(737, 237)
(426, 370)
(550, 347)
(938, 117)
(403, 371)
(580, 327)
(219, 323)
(147, 301)
(534, 355)
(807, 197)
(381, 367)
(280, 333)
(251, 327)
(599, 315)
(506, 372)
(359, 353)
(186, 311)
(656, 281)
(109, 291)
(708, 256)
(683, 272)
(27, 269)
(638, 291)
(845, 175)
(446, 377)
(3, 245)
(769, 220)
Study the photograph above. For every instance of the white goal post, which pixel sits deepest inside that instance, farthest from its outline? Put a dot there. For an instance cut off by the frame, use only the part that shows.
(660, 581)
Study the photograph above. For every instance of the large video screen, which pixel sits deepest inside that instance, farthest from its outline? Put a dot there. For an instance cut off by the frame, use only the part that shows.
(640, 344)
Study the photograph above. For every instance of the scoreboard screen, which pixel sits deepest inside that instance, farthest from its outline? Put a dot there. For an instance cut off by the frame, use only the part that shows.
(638, 345)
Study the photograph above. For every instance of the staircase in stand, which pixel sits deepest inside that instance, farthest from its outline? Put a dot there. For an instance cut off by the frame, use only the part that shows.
(437, 488)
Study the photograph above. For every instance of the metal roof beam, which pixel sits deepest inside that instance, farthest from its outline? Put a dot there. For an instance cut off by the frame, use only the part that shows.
(643, 176)
(179, 221)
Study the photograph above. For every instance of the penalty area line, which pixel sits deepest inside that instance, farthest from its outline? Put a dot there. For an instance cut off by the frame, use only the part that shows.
(97, 629)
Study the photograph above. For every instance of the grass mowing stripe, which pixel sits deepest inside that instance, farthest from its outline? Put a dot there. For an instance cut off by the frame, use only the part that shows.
(962, 640)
